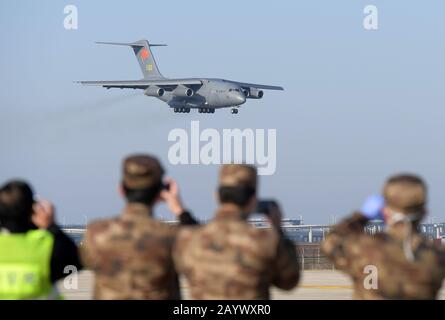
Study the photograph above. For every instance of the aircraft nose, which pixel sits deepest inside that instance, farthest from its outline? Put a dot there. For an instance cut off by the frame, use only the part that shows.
(239, 98)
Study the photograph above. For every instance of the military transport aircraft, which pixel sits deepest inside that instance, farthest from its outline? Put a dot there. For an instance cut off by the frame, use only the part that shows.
(204, 94)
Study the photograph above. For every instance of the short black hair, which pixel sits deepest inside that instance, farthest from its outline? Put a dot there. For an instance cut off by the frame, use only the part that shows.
(239, 195)
(145, 196)
(16, 202)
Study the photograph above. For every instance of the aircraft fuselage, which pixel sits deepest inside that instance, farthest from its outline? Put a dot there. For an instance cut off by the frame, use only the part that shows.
(213, 93)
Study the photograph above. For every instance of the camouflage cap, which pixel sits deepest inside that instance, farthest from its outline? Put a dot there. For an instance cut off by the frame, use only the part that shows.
(238, 175)
(405, 193)
(141, 171)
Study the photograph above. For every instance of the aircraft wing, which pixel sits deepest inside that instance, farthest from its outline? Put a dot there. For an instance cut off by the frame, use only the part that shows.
(258, 86)
(141, 84)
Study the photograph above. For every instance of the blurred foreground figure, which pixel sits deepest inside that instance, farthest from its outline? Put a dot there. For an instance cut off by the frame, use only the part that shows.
(33, 250)
(131, 255)
(230, 259)
(396, 264)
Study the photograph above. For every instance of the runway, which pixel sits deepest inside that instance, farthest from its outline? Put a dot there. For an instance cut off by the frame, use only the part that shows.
(314, 285)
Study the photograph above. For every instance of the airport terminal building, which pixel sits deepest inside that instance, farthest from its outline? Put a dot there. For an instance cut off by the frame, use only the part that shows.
(299, 232)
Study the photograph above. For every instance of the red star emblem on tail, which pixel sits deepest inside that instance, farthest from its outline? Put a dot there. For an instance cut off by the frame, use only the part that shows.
(144, 54)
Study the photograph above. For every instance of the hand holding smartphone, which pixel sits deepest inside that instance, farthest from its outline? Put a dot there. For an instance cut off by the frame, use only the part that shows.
(266, 206)
(271, 209)
(43, 213)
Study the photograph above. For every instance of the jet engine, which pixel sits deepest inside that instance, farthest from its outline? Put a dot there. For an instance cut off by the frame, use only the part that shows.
(183, 91)
(254, 93)
(154, 91)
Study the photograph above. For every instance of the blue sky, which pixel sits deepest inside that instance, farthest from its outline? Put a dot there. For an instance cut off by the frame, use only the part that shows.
(358, 106)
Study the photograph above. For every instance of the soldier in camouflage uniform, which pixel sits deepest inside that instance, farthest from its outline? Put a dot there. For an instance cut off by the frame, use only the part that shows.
(230, 259)
(131, 255)
(398, 263)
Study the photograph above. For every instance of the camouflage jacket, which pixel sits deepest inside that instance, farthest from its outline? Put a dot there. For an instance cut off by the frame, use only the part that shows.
(230, 259)
(378, 266)
(131, 256)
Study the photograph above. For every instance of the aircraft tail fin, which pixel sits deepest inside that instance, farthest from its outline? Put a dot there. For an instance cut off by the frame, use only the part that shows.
(144, 56)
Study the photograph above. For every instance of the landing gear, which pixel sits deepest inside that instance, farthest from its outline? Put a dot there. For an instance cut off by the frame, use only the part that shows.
(206, 110)
(234, 111)
(181, 110)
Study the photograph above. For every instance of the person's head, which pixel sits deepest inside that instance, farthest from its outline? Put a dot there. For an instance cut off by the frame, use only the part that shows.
(238, 185)
(16, 205)
(142, 179)
(405, 194)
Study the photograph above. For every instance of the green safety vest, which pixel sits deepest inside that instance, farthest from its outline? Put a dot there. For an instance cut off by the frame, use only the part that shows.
(25, 264)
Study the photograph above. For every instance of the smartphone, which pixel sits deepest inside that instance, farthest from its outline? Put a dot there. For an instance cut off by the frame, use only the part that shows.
(265, 206)
(166, 186)
(36, 199)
